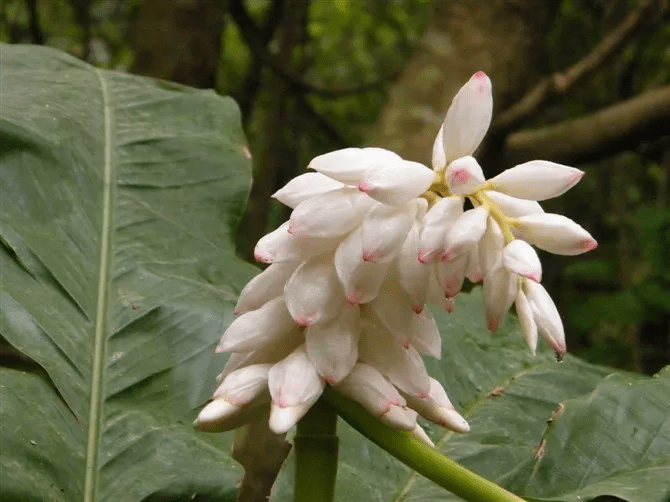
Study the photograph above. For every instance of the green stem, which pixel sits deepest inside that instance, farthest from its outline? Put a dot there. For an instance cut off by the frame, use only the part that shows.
(316, 447)
(417, 455)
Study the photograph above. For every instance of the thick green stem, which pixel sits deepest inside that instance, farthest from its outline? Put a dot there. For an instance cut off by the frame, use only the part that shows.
(422, 458)
(316, 446)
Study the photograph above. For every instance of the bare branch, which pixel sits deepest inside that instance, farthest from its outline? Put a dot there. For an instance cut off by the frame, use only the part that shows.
(561, 83)
(253, 37)
(614, 129)
(251, 83)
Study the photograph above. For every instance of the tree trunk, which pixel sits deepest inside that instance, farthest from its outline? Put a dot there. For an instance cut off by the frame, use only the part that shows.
(179, 40)
(500, 37)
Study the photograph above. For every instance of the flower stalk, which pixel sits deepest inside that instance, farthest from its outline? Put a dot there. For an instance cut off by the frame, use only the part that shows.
(316, 447)
(417, 455)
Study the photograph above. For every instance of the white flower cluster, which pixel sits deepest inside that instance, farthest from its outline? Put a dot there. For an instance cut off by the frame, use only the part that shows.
(371, 239)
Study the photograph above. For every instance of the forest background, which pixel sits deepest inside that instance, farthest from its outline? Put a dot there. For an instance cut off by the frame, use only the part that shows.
(580, 82)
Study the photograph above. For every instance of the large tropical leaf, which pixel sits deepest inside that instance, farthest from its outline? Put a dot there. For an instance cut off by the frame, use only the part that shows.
(611, 438)
(119, 195)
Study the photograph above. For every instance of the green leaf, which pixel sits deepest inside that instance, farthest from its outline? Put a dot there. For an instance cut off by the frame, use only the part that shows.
(119, 198)
(612, 438)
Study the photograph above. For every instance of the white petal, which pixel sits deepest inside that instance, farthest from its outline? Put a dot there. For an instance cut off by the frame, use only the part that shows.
(222, 416)
(424, 334)
(465, 233)
(468, 118)
(464, 176)
(367, 386)
(270, 353)
(439, 159)
(243, 385)
(385, 228)
(304, 187)
(294, 386)
(350, 164)
(257, 328)
(546, 316)
(360, 280)
(555, 233)
(333, 346)
(519, 257)
(513, 207)
(439, 218)
(421, 435)
(500, 287)
(473, 271)
(393, 309)
(313, 293)
(412, 274)
(331, 214)
(525, 315)
(264, 287)
(437, 408)
(397, 182)
(281, 246)
(435, 293)
(536, 180)
(491, 246)
(402, 366)
(450, 275)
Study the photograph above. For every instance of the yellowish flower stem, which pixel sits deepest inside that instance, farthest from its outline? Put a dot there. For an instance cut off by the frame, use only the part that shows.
(496, 213)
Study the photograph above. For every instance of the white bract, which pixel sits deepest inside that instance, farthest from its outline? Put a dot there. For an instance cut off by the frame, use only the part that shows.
(371, 239)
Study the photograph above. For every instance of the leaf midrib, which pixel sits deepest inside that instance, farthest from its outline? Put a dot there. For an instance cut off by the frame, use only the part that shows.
(102, 307)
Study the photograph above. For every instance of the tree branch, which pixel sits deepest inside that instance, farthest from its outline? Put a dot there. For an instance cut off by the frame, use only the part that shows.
(36, 34)
(251, 83)
(614, 129)
(561, 83)
(253, 37)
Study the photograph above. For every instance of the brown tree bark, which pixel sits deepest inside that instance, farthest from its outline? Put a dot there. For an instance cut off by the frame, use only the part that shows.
(179, 40)
(500, 37)
(601, 134)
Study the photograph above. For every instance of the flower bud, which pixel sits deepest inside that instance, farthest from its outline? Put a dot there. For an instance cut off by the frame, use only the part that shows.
(525, 315)
(464, 176)
(397, 182)
(499, 292)
(555, 233)
(437, 408)
(536, 180)
(349, 165)
(436, 223)
(360, 279)
(403, 366)
(294, 386)
(465, 233)
(519, 257)
(368, 387)
(332, 347)
(546, 316)
(304, 187)
(313, 293)
(257, 328)
(384, 230)
(264, 287)
(468, 118)
(329, 215)
(513, 207)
